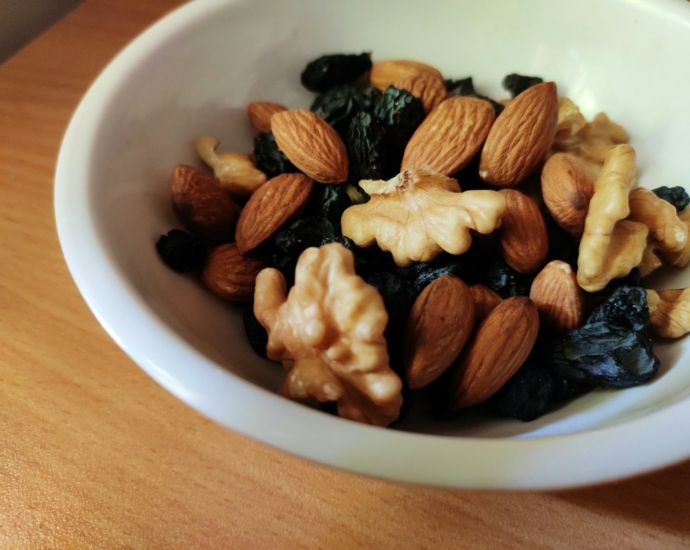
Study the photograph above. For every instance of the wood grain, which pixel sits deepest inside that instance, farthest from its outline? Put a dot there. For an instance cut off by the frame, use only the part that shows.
(93, 454)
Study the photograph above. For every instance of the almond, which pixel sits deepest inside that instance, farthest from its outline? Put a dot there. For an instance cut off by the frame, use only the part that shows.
(438, 327)
(202, 206)
(231, 275)
(485, 300)
(311, 144)
(498, 348)
(520, 137)
(260, 113)
(522, 236)
(276, 202)
(558, 297)
(567, 190)
(386, 73)
(429, 89)
(450, 136)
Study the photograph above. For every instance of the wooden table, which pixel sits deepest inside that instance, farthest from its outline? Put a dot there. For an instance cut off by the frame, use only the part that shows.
(94, 454)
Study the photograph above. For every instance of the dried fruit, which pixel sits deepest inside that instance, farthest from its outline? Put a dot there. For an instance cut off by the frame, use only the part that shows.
(558, 297)
(385, 73)
(430, 90)
(329, 71)
(231, 275)
(505, 281)
(527, 394)
(677, 196)
(181, 251)
(517, 83)
(485, 300)
(260, 113)
(269, 158)
(465, 86)
(332, 201)
(339, 105)
(399, 113)
(367, 148)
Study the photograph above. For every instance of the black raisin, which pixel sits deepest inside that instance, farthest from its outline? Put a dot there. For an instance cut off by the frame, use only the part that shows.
(367, 148)
(505, 281)
(677, 196)
(424, 273)
(333, 200)
(527, 393)
(269, 159)
(181, 251)
(626, 307)
(338, 106)
(256, 333)
(562, 245)
(400, 113)
(516, 83)
(394, 155)
(329, 71)
(465, 86)
(564, 389)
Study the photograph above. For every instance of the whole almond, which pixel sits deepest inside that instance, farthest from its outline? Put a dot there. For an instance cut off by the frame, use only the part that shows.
(520, 137)
(498, 348)
(312, 145)
(231, 275)
(558, 297)
(202, 206)
(260, 113)
(450, 136)
(567, 190)
(438, 327)
(429, 89)
(386, 73)
(485, 300)
(522, 237)
(278, 201)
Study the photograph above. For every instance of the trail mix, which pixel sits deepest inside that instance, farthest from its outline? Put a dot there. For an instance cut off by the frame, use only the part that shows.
(410, 237)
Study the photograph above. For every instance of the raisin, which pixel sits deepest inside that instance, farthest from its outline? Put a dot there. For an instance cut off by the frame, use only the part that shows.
(505, 281)
(339, 105)
(256, 333)
(527, 393)
(367, 148)
(516, 83)
(400, 113)
(634, 278)
(469, 179)
(269, 159)
(562, 245)
(465, 86)
(626, 307)
(677, 196)
(393, 156)
(564, 389)
(329, 71)
(181, 251)
(424, 273)
(333, 200)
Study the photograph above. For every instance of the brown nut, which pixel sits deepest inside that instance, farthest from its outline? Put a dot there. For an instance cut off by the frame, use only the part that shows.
(498, 348)
(202, 206)
(312, 145)
(438, 327)
(386, 73)
(231, 275)
(429, 89)
(260, 113)
(485, 300)
(520, 137)
(522, 236)
(567, 190)
(558, 297)
(274, 204)
(669, 312)
(450, 136)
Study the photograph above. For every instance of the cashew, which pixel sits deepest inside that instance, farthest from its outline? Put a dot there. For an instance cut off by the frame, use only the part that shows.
(669, 312)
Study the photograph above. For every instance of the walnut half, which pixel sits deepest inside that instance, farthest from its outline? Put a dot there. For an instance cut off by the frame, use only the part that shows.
(328, 333)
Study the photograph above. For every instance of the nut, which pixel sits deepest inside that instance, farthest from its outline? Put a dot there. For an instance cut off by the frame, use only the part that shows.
(520, 137)
(386, 73)
(558, 297)
(567, 190)
(438, 327)
(485, 300)
(498, 348)
(650, 261)
(669, 312)
(570, 120)
(312, 145)
(450, 136)
(522, 236)
(231, 275)
(202, 206)
(682, 257)
(260, 113)
(429, 89)
(278, 201)
(666, 230)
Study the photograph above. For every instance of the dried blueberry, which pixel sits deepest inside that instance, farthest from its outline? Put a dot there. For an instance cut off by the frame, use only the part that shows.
(527, 393)
(256, 333)
(329, 71)
(367, 148)
(269, 159)
(516, 83)
(181, 251)
(677, 196)
(465, 86)
(399, 113)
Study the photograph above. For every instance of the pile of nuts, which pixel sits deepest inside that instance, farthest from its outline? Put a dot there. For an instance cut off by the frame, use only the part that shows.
(529, 161)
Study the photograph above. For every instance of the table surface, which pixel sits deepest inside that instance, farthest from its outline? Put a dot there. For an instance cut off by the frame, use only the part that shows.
(94, 454)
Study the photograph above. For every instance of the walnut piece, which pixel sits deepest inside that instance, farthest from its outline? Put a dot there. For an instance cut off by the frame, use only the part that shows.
(235, 172)
(669, 312)
(419, 213)
(328, 333)
(680, 258)
(666, 230)
(570, 120)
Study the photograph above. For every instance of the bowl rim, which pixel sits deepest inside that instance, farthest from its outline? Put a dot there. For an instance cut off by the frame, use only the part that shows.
(639, 445)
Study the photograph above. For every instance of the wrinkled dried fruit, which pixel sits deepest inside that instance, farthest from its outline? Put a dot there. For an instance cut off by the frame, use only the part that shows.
(505, 281)
(677, 196)
(181, 251)
(333, 70)
(367, 148)
(332, 201)
(269, 158)
(516, 83)
(423, 273)
(339, 105)
(527, 394)
(399, 113)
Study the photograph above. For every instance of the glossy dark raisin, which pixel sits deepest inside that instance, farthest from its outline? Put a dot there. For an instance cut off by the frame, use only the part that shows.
(424, 273)
(333, 200)
(269, 159)
(527, 393)
(256, 333)
(505, 281)
(677, 196)
(338, 106)
(181, 251)
(564, 389)
(399, 113)
(465, 86)
(626, 307)
(366, 147)
(516, 83)
(333, 70)
(631, 279)
(562, 245)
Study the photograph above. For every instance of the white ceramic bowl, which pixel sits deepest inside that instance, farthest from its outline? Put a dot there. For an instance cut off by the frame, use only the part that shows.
(195, 71)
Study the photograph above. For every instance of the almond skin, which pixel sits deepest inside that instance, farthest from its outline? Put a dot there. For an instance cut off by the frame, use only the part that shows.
(558, 297)
(567, 190)
(520, 137)
(450, 136)
(260, 113)
(386, 73)
(275, 203)
(311, 144)
(203, 206)
(429, 89)
(231, 275)
(522, 237)
(498, 348)
(438, 327)
(485, 300)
